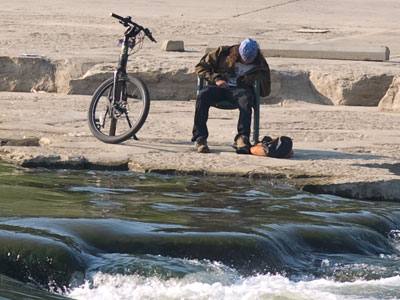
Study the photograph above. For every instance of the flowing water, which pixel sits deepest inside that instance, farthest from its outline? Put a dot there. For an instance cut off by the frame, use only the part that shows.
(123, 235)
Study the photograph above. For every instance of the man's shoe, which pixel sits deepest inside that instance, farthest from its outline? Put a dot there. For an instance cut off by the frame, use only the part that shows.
(201, 145)
(243, 145)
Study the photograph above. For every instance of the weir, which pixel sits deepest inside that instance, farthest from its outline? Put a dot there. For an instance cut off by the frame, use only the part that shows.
(76, 232)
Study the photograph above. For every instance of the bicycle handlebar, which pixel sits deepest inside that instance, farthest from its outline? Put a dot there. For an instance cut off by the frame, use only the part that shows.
(119, 17)
(128, 21)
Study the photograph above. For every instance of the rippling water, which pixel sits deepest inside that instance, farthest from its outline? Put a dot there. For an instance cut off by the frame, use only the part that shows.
(123, 235)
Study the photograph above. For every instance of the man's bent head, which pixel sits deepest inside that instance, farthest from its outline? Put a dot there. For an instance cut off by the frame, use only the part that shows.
(248, 50)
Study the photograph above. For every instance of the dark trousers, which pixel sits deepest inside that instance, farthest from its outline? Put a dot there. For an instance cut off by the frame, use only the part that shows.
(210, 96)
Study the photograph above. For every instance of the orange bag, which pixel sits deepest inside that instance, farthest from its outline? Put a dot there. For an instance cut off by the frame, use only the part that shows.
(258, 150)
(281, 147)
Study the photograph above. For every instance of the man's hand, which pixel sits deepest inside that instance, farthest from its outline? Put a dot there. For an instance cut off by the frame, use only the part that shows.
(221, 83)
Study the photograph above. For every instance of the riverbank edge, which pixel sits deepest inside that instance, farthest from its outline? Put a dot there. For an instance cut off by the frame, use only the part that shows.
(375, 190)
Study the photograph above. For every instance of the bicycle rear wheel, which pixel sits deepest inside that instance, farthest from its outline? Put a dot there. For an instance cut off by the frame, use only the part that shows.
(116, 122)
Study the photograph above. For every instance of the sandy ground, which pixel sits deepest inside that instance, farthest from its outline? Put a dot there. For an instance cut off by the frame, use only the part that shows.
(349, 151)
(63, 29)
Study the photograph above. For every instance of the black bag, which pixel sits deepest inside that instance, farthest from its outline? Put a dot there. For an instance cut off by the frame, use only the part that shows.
(281, 147)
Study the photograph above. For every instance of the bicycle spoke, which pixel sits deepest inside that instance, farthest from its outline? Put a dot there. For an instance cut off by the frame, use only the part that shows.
(133, 94)
(110, 95)
(104, 117)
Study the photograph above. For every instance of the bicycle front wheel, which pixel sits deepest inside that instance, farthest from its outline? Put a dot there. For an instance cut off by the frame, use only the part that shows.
(116, 121)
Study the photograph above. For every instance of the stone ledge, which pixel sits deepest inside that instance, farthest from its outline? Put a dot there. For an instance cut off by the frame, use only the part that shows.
(376, 191)
(337, 84)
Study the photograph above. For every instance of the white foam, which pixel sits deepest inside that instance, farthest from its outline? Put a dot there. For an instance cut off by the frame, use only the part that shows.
(118, 287)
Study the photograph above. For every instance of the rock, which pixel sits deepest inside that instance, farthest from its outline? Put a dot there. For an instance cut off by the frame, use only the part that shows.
(170, 85)
(56, 161)
(348, 88)
(384, 190)
(173, 46)
(24, 142)
(44, 141)
(21, 74)
(391, 100)
(177, 85)
(87, 84)
(69, 69)
(293, 86)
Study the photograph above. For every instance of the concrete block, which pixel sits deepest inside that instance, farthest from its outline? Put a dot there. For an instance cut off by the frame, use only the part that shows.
(320, 51)
(173, 46)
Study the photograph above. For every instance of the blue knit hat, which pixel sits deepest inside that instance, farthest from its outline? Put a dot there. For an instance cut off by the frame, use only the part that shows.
(248, 50)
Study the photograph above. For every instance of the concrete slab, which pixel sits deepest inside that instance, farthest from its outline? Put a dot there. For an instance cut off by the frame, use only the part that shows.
(318, 51)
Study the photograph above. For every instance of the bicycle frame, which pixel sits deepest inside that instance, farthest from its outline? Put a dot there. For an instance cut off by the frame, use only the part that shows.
(131, 32)
(118, 87)
(133, 29)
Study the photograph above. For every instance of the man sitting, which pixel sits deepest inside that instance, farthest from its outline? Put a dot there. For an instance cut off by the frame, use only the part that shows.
(230, 72)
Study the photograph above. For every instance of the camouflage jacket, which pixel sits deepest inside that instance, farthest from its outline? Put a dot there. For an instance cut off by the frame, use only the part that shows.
(213, 67)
